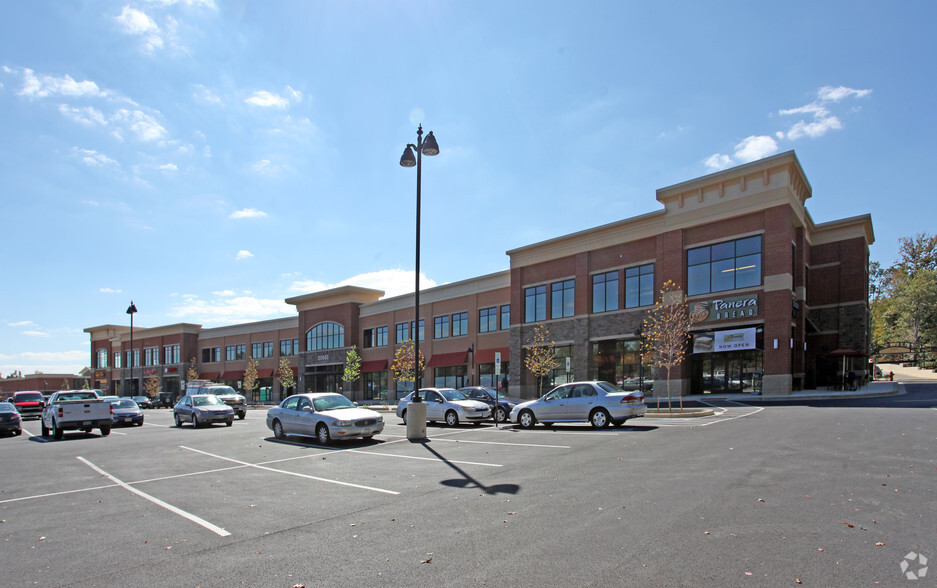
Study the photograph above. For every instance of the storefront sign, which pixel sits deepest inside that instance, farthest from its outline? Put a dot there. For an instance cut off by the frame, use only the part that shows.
(728, 340)
(721, 309)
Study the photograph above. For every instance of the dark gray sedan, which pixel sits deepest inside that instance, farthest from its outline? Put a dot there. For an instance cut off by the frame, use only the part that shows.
(202, 409)
(488, 395)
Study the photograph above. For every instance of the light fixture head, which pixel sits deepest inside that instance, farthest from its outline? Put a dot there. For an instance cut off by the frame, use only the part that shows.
(132, 308)
(407, 159)
(429, 145)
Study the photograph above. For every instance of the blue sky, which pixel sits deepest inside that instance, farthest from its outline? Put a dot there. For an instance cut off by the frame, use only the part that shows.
(208, 159)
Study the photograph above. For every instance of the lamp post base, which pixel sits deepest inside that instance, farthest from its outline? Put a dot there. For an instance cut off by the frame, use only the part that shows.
(416, 421)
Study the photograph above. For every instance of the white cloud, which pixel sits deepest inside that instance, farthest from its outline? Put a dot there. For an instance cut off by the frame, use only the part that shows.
(43, 86)
(35, 333)
(65, 362)
(169, 167)
(225, 293)
(749, 149)
(206, 95)
(248, 213)
(110, 291)
(205, 3)
(88, 115)
(21, 324)
(831, 94)
(243, 254)
(824, 120)
(296, 95)
(231, 310)
(394, 282)
(144, 125)
(266, 99)
(92, 158)
(136, 22)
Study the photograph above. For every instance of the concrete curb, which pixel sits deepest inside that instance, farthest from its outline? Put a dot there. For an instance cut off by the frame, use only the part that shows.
(687, 413)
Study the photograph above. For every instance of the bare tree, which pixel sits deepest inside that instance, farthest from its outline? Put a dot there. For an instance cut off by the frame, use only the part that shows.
(666, 330)
(540, 358)
(192, 372)
(151, 386)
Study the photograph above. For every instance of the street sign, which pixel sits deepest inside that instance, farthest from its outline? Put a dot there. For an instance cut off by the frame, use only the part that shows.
(497, 363)
(568, 364)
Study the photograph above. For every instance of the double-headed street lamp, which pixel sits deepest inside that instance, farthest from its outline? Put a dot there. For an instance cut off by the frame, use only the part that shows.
(430, 148)
(131, 310)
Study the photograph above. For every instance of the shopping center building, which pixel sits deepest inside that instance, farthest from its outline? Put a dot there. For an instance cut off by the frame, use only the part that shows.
(776, 303)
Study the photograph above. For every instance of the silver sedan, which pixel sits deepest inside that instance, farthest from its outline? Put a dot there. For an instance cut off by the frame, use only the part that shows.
(325, 417)
(447, 405)
(598, 403)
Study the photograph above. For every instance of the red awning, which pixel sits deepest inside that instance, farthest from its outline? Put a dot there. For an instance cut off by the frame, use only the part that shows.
(209, 376)
(265, 373)
(488, 355)
(446, 359)
(233, 375)
(377, 365)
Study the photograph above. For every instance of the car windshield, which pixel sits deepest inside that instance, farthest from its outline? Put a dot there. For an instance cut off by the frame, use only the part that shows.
(7, 407)
(608, 387)
(222, 391)
(206, 401)
(331, 403)
(140, 398)
(126, 403)
(29, 397)
(450, 394)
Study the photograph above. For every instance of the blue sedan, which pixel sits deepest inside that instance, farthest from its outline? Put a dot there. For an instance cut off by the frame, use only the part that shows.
(487, 395)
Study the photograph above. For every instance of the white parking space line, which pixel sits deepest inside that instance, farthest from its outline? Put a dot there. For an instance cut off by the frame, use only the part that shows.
(186, 515)
(504, 443)
(420, 458)
(21, 498)
(308, 477)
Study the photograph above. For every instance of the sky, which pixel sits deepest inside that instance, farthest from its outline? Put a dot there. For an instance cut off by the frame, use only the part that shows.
(208, 159)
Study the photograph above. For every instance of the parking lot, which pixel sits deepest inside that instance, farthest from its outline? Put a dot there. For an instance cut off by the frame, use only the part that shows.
(232, 505)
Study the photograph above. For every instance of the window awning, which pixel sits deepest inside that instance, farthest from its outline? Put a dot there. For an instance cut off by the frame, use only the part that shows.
(446, 359)
(488, 355)
(268, 373)
(209, 376)
(377, 365)
(233, 375)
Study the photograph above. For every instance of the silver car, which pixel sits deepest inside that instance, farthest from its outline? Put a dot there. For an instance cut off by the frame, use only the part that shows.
(324, 416)
(598, 403)
(202, 409)
(447, 405)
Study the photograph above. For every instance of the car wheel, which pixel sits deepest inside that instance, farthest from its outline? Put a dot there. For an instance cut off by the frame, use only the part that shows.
(57, 433)
(367, 438)
(501, 415)
(452, 419)
(105, 431)
(177, 419)
(45, 429)
(87, 429)
(526, 419)
(241, 416)
(18, 432)
(229, 422)
(599, 418)
(278, 430)
(403, 417)
(195, 422)
(322, 434)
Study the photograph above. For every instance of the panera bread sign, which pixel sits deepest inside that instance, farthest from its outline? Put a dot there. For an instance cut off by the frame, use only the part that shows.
(722, 309)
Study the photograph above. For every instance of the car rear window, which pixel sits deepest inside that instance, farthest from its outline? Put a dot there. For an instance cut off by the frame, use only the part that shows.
(28, 397)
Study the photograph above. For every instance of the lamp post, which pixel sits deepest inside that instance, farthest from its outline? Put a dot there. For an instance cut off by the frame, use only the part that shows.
(640, 335)
(430, 148)
(131, 310)
(471, 350)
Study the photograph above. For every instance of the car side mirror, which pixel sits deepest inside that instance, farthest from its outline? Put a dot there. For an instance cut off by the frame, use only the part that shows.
(307, 409)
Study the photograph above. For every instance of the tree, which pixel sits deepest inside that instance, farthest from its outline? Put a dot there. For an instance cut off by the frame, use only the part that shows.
(540, 358)
(666, 330)
(151, 387)
(285, 375)
(404, 366)
(192, 372)
(249, 384)
(352, 365)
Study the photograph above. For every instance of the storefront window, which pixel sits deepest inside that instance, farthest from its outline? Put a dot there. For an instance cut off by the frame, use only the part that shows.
(487, 377)
(724, 266)
(375, 385)
(619, 362)
(738, 371)
(450, 376)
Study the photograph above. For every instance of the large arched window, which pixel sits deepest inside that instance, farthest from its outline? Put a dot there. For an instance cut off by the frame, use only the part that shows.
(325, 336)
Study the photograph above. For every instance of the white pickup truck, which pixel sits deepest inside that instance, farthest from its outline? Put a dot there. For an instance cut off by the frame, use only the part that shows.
(74, 410)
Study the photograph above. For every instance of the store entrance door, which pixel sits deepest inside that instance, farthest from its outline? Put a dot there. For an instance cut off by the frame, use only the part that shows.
(727, 372)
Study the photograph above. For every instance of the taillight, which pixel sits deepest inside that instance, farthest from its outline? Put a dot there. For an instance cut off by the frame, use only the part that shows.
(633, 397)
(112, 407)
(61, 412)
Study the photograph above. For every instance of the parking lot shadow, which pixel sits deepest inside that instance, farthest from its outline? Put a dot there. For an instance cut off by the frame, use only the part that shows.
(467, 481)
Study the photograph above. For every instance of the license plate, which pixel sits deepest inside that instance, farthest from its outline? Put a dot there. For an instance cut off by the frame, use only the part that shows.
(86, 423)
